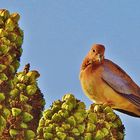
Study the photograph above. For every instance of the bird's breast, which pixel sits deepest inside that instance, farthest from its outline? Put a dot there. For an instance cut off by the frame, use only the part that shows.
(91, 83)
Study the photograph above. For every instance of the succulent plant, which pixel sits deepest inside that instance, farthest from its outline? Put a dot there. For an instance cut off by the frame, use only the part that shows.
(25, 106)
(11, 37)
(69, 120)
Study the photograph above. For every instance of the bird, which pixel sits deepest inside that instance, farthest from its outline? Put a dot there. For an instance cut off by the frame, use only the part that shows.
(104, 82)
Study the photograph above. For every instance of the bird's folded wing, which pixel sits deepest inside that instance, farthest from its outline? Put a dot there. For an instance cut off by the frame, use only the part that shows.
(119, 81)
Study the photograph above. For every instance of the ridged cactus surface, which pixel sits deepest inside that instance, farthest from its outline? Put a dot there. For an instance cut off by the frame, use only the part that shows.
(68, 119)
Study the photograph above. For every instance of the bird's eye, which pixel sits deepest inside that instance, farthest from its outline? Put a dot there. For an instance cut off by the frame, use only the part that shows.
(93, 50)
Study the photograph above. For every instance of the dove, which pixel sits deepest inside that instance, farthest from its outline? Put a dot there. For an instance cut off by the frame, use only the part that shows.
(104, 82)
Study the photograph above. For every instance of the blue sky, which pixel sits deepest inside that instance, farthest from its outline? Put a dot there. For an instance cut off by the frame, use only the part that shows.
(59, 33)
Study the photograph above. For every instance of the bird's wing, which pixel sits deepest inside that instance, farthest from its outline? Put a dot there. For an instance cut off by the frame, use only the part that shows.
(118, 80)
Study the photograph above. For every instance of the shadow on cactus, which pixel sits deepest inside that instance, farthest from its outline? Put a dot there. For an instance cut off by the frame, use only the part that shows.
(22, 103)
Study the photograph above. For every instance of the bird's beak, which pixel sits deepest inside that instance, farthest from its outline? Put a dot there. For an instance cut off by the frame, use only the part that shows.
(100, 57)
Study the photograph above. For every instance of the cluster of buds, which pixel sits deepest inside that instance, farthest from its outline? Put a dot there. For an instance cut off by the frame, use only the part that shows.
(69, 120)
(25, 106)
(11, 38)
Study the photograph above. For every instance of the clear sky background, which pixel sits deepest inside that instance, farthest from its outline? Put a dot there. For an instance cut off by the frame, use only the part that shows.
(59, 33)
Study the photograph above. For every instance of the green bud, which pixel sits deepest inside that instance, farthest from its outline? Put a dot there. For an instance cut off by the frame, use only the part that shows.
(111, 116)
(97, 108)
(29, 135)
(108, 109)
(6, 112)
(2, 124)
(19, 40)
(66, 126)
(71, 120)
(15, 17)
(22, 77)
(31, 89)
(75, 132)
(47, 129)
(16, 111)
(13, 132)
(21, 32)
(48, 136)
(113, 125)
(99, 135)
(28, 108)
(81, 128)
(118, 122)
(59, 129)
(16, 64)
(23, 125)
(41, 122)
(33, 75)
(92, 117)
(9, 25)
(67, 106)
(88, 136)
(56, 117)
(4, 49)
(68, 97)
(55, 108)
(12, 37)
(1, 22)
(81, 105)
(47, 114)
(2, 96)
(9, 60)
(105, 131)
(91, 127)
(27, 117)
(23, 98)
(3, 77)
(107, 125)
(79, 117)
(5, 41)
(14, 92)
(61, 135)
(3, 33)
(21, 86)
(12, 69)
(63, 113)
(4, 13)
(2, 67)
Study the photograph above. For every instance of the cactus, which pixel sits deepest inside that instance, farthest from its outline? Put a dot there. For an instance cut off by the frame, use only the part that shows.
(22, 103)
(11, 37)
(68, 119)
(25, 105)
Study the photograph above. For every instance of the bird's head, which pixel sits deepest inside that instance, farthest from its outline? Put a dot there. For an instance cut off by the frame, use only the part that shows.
(96, 54)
